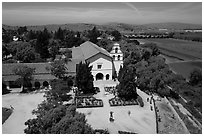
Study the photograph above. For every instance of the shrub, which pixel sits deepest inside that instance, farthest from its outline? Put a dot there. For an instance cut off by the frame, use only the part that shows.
(140, 101)
(4, 89)
(37, 85)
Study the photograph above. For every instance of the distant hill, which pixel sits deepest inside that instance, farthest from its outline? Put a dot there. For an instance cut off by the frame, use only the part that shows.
(122, 27)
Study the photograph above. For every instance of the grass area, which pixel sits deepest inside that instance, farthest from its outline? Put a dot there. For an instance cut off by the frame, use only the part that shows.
(6, 112)
(179, 48)
(185, 68)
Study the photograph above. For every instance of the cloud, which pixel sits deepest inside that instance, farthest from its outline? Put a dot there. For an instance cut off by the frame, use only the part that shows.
(133, 7)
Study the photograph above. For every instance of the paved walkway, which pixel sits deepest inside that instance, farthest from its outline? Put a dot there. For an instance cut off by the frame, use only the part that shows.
(23, 105)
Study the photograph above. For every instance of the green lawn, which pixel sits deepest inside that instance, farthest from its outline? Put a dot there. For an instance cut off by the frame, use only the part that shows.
(5, 114)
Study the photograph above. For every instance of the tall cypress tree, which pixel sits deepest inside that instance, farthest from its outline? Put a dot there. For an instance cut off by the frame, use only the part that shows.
(127, 86)
(43, 43)
(84, 78)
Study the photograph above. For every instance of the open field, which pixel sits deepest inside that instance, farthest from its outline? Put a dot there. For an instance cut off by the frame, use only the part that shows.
(182, 49)
(185, 68)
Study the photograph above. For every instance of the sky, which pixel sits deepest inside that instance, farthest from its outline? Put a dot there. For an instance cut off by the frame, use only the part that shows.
(38, 13)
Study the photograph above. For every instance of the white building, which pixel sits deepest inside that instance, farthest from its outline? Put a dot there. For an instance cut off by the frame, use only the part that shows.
(101, 60)
(117, 56)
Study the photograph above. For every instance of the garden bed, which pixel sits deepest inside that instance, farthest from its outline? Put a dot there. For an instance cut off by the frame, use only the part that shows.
(110, 90)
(88, 102)
(120, 102)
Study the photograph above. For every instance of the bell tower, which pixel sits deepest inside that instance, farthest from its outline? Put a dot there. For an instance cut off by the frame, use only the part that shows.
(117, 55)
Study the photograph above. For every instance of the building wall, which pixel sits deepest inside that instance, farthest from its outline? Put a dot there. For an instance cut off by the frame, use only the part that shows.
(106, 68)
(117, 65)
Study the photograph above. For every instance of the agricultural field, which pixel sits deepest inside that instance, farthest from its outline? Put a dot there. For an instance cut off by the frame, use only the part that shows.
(185, 68)
(181, 49)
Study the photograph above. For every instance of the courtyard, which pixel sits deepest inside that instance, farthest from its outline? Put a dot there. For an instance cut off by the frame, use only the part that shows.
(141, 119)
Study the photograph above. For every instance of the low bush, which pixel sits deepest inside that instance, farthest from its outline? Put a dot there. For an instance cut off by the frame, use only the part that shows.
(101, 131)
(140, 101)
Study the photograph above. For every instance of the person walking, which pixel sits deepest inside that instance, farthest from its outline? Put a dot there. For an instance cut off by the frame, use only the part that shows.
(129, 113)
(111, 116)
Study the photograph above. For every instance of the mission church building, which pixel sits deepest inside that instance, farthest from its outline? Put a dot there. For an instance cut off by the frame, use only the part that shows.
(103, 63)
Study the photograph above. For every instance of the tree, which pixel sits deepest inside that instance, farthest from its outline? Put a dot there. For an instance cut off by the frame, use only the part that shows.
(114, 75)
(31, 35)
(25, 53)
(71, 39)
(93, 35)
(22, 30)
(43, 43)
(127, 86)
(116, 34)
(146, 54)
(84, 78)
(195, 77)
(59, 34)
(153, 47)
(5, 51)
(25, 74)
(59, 120)
(58, 69)
(54, 48)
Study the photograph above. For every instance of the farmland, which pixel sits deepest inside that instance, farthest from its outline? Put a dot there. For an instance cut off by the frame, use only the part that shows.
(185, 68)
(181, 49)
(182, 56)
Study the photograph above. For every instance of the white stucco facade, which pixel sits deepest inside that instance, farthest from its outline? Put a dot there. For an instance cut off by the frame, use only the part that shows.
(103, 63)
(102, 67)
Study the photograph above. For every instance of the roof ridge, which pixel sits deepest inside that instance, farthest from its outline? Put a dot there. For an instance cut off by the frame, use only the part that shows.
(99, 48)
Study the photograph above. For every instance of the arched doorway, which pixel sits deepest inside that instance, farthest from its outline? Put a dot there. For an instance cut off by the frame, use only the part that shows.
(45, 84)
(99, 76)
(107, 77)
(37, 85)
